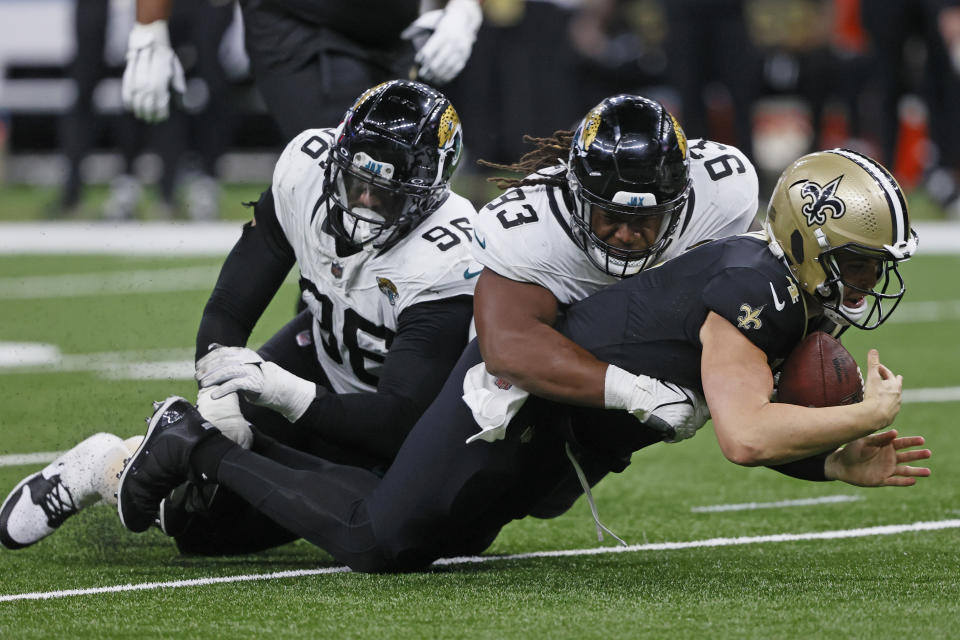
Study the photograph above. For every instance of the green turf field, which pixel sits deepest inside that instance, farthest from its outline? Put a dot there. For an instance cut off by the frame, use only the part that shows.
(868, 586)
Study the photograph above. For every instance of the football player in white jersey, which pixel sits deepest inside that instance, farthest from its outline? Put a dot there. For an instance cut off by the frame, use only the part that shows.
(382, 245)
(624, 192)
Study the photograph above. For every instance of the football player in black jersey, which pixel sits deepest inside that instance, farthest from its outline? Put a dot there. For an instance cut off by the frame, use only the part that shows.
(716, 318)
(310, 59)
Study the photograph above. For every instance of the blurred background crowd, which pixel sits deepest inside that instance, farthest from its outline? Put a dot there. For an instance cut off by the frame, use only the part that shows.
(776, 78)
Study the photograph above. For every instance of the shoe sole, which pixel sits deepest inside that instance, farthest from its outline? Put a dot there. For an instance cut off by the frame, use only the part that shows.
(154, 421)
(5, 540)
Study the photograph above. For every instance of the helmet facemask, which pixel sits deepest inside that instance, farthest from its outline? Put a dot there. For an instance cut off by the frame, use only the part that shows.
(618, 261)
(370, 209)
(876, 304)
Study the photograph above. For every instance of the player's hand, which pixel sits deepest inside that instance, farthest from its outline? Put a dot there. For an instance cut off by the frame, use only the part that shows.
(224, 414)
(152, 69)
(675, 411)
(878, 460)
(219, 357)
(447, 50)
(265, 384)
(883, 390)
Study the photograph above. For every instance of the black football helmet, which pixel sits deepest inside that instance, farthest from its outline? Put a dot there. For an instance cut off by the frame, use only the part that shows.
(628, 158)
(396, 150)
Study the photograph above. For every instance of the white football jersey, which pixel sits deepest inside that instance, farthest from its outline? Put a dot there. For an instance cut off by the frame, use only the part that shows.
(527, 233)
(356, 300)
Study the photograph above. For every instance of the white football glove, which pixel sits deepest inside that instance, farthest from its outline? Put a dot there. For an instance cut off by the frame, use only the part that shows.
(675, 411)
(219, 357)
(262, 383)
(444, 53)
(224, 414)
(152, 68)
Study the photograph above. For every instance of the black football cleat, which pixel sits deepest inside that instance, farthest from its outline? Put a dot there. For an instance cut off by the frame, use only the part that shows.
(161, 462)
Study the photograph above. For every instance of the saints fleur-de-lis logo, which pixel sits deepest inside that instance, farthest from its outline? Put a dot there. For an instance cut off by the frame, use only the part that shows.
(749, 317)
(822, 200)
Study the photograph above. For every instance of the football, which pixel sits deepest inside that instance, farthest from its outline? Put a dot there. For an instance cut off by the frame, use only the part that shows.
(820, 372)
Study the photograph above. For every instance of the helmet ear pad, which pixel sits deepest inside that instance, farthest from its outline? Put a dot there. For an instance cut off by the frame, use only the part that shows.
(628, 157)
(401, 141)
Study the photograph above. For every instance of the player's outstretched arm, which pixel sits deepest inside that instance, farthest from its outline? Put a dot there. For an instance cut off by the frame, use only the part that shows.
(752, 430)
(878, 460)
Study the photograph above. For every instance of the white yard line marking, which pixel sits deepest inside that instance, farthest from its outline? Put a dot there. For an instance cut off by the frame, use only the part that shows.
(19, 459)
(933, 394)
(932, 311)
(801, 502)
(109, 283)
(885, 530)
(119, 238)
(216, 238)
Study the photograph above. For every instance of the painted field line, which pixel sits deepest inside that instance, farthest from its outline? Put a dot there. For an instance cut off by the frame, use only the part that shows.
(119, 238)
(747, 506)
(105, 283)
(885, 530)
(18, 459)
(932, 394)
(927, 311)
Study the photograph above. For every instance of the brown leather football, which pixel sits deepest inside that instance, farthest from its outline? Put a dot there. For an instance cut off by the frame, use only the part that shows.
(820, 372)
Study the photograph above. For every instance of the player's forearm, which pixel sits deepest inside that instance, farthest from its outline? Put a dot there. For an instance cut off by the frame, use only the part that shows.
(248, 280)
(545, 363)
(777, 433)
(151, 10)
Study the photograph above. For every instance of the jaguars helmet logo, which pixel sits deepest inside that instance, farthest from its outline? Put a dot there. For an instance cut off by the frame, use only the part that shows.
(388, 289)
(449, 123)
(591, 124)
(749, 317)
(822, 200)
(681, 136)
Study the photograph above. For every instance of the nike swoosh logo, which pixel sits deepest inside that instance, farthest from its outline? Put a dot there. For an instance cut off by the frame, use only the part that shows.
(776, 301)
(467, 274)
(480, 241)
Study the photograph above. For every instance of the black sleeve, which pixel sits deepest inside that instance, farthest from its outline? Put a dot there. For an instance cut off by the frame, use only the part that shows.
(430, 338)
(250, 277)
(811, 468)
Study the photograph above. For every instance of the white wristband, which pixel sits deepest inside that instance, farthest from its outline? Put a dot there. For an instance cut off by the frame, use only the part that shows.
(618, 388)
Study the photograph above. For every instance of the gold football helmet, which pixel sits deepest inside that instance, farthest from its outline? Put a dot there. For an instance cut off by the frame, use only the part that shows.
(834, 202)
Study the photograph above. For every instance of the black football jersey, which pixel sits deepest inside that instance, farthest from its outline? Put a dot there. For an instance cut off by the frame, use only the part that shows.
(650, 323)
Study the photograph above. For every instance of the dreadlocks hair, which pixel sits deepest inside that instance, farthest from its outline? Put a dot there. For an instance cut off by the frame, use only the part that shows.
(548, 152)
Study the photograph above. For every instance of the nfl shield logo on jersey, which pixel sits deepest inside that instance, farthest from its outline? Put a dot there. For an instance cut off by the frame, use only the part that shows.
(389, 289)
(336, 269)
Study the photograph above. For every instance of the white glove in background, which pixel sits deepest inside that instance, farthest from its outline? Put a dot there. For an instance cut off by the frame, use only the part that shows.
(224, 414)
(443, 55)
(671, 409)
(152, 68)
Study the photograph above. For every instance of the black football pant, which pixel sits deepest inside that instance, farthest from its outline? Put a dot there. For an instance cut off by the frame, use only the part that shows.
(441, 497)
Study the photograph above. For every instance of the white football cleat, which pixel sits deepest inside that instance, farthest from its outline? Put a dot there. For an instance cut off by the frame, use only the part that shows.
(40, 503)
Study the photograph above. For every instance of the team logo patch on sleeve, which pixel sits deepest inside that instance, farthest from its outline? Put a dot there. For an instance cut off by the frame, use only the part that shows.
(388, 289)
(749, 317)
(822, 200)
